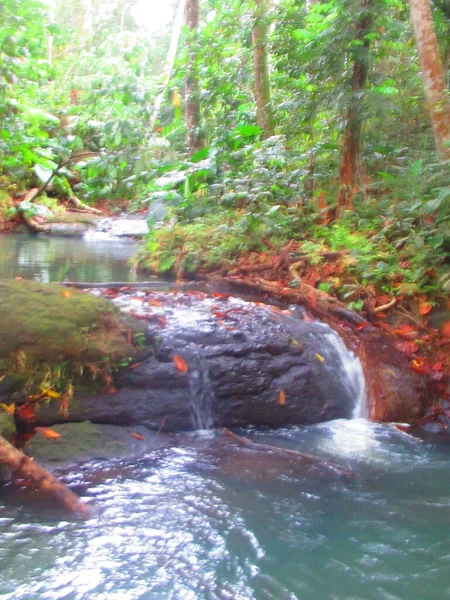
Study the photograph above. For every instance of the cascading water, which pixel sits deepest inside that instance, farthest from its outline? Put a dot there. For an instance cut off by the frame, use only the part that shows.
(201, 393)
(353, 374)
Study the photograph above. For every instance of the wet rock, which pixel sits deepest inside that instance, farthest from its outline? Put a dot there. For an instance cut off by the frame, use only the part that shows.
(84, 442)
(245, 364)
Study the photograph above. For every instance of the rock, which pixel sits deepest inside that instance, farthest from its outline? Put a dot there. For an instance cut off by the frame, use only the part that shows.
(54, 335)
(7, 426)
(8, 431)
(84, 442)
(252, 365)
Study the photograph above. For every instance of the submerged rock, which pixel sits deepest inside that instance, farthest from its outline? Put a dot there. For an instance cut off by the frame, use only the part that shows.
(84, 442)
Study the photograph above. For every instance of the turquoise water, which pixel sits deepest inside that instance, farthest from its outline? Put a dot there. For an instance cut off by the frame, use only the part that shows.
(209, 520)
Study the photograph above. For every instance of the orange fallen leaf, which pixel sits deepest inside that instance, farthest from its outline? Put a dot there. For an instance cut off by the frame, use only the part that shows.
(66, 294)
(49, 433)
(137, 436)
(425, 308)
(281, 397)
(180, 363)
(19, 278)
(10, 409)
(446, 329)
(154, 302)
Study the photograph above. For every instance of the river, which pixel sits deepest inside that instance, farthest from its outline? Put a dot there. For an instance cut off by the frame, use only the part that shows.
(207, 520)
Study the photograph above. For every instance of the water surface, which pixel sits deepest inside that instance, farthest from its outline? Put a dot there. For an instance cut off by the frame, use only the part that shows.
(46, 258)
(209, 520)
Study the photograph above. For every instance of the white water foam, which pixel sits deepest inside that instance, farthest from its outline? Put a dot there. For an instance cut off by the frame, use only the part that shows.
(354, 375)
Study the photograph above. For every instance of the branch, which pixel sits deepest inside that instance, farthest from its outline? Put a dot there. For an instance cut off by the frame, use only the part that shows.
(25, 467)
(243, 441)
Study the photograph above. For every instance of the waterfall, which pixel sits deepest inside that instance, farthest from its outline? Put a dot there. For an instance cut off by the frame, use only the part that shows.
(201, 393)
(353, 374)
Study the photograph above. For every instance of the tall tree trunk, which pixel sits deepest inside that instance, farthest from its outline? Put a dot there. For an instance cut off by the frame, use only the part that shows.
(170, 60)
(194, 140)
(432, 74)
(352, 135)
(261, 65)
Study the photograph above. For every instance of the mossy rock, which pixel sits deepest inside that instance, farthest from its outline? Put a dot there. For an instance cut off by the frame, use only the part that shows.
(50, 334)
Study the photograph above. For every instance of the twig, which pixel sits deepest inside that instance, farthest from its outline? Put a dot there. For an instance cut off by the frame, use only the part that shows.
(387, 306)
(163, 422)
(243, 441)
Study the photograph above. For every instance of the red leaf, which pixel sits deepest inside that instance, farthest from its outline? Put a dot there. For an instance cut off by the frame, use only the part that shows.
(180, 363)
(131, 367)
(446, 329)
(137, 436)
(408, 348)
(26, 413)
(361, 326)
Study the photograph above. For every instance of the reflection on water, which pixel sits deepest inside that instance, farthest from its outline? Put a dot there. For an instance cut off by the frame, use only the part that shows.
(210, 520)
(47, 259)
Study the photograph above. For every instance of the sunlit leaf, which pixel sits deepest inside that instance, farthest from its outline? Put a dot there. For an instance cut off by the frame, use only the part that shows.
(49, 433)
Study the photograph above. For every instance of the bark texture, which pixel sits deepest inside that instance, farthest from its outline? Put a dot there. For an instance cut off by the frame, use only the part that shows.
(432, 74)
(261, 66)
(352, 135)
(25, 467)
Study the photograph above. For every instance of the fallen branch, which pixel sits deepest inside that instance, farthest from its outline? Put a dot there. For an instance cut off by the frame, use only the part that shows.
(243, 441)
(26, 468)
(82, 206)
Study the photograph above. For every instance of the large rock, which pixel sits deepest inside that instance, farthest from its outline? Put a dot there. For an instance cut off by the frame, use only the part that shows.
(51, 336)
(245, 364)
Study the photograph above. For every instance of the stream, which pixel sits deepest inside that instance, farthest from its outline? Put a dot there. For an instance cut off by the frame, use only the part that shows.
(206, 519)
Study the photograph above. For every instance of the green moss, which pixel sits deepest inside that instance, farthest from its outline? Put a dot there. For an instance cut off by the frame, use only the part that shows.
(51, 334)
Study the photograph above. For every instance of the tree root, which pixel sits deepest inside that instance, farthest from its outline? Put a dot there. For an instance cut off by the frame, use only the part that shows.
(243, 441)
(26, 468)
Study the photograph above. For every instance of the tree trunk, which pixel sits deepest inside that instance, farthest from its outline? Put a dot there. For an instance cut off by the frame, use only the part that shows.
(194, 139)
(352, 135)
(170, 60)
(432, 74)
(25, 467)
(261, 65)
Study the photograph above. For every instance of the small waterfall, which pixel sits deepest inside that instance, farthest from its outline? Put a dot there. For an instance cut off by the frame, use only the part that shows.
(352, 371)
(201, 393)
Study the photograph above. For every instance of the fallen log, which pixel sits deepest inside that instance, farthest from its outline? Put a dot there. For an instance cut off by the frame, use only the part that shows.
(295, 454)
(25, 467)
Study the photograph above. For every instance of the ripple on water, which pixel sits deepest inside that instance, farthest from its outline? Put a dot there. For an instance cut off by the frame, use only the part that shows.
(207, 522)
